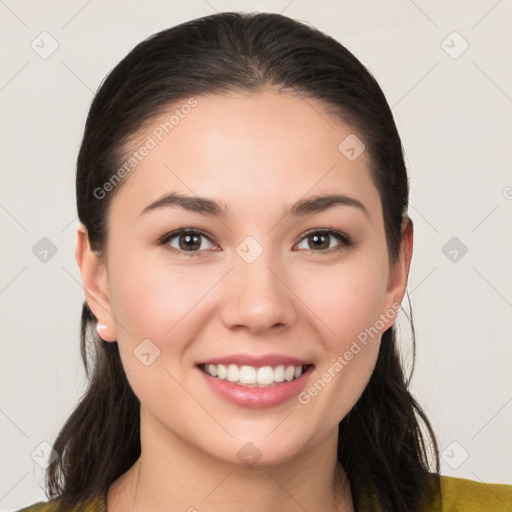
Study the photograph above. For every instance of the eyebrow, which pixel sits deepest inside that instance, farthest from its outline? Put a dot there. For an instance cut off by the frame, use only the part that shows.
(211, 208)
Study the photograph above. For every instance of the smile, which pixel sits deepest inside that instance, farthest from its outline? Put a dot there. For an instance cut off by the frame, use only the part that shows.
(251, 376)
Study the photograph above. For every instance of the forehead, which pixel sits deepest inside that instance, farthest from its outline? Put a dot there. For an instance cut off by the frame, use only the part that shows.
(246, 149)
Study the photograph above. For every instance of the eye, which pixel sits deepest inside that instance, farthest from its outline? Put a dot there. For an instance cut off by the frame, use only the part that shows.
(187, 241)
(320, 239)
(190, 241)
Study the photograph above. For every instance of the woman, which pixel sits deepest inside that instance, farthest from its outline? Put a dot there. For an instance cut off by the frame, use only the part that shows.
(244, 247)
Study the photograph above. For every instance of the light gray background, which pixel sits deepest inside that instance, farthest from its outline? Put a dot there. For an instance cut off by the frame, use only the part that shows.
(454, 116)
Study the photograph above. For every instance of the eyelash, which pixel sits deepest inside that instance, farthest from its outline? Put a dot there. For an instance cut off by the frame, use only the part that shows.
(341, 237)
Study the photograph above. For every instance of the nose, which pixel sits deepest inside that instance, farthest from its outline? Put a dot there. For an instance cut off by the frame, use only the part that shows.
(257, 297)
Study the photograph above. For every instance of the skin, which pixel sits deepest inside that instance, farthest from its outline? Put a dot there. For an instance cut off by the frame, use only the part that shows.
(257, 154)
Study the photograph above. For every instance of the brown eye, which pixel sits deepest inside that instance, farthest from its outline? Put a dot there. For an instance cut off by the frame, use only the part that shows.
(320, 240)
(186, 241)
(189, 242)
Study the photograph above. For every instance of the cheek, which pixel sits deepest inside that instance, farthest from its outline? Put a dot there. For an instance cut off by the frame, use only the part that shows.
(347, 299)
(156, 302)
(348, 304)
(164, 303)
(152, 301)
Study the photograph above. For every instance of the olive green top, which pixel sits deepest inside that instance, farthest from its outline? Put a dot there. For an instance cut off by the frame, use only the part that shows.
(458, 494)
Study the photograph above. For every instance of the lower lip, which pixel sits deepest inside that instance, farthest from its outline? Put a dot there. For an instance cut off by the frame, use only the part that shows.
(255, 397)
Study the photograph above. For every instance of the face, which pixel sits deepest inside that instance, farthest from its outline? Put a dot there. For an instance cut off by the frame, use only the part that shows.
(256, 284)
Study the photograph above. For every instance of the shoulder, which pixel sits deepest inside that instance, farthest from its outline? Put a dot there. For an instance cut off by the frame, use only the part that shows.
(42, 506)
(96, 504)
(460, 494)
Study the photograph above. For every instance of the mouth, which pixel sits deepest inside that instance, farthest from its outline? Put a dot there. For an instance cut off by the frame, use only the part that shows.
(253, 376)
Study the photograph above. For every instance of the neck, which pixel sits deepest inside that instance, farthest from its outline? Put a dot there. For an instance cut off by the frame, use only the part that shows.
(172, 475)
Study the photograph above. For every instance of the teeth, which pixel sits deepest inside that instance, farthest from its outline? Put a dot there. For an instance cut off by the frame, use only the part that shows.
(279, 373)
(289, 373)
(247, 375)
(222, 371)
(233, 373)
(251, 376)
(265, 375)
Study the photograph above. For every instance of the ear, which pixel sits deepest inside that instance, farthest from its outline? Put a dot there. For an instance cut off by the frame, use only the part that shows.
(95, 283)
(399, 274)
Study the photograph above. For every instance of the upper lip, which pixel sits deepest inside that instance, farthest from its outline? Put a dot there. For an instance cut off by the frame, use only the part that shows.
(257, 361)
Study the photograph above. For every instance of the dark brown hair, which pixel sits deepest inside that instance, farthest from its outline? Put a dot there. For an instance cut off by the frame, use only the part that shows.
(385, 442)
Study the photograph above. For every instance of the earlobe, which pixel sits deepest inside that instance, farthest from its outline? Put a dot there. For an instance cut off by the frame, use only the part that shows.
(95, 284)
